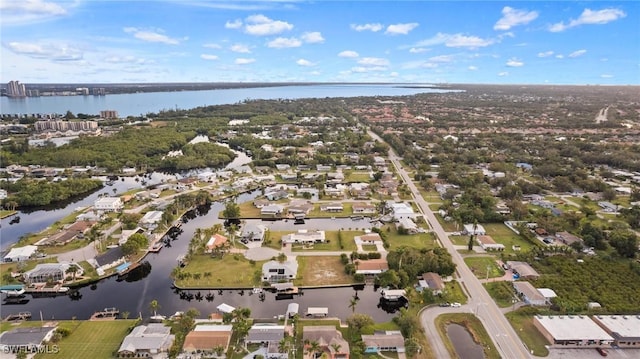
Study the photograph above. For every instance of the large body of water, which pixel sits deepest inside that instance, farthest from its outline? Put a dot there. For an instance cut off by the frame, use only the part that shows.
(152, 102)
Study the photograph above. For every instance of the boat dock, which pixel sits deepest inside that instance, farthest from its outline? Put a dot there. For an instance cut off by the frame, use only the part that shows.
(156, 247)
(41, 288)
(105, 314)
(19, 316)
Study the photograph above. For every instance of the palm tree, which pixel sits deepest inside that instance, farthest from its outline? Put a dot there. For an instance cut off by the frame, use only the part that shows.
(352, 304)
(219, 350)
(154, 305)
(283, 345)
(314, 348)
(125, 315)
(72, 270)
(281, 257)
(336, 347)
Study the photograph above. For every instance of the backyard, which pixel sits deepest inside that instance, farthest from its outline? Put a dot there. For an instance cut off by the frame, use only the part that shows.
(480, 265)
(232, 270)
(502, 234)
(319, 271)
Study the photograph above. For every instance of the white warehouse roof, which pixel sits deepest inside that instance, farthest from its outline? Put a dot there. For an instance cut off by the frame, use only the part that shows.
(570, 327)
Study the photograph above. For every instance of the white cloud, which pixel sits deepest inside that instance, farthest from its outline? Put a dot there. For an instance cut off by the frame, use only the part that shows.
(401, 29)
(513, 17)
(545, 54)
(559, 56)
(455, 40)
(260, 25)
(367, 27)
(312, 37)
(577, 53)
(28, 11)
(49, 51)
(244, 61)
(303, 62)
(472, 68)
(503, 73)
(240, 48)
(348, 54)
(514, 62)
(590, 17)
(441, 58)
(212, 46)
(364, 69)
(606, 76)
(208, 57)
(127, 59)
(283, 42)
(417, 50)
(373, 61)
(151, 36)
(235, 24)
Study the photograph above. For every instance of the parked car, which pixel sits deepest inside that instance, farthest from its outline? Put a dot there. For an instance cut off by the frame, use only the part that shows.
(602, 352)
(456, 305)
(445, 304)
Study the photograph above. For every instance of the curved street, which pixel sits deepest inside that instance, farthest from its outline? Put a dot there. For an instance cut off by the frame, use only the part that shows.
(480, 303)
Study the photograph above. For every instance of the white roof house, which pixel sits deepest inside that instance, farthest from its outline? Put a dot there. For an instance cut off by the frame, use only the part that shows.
(153, 338)
(20, 253)
(274, 271)
(304, 236)
(151, 217)
(571, 330)
(479, 229)
(225, 308)
(402, 210)
(108, 204)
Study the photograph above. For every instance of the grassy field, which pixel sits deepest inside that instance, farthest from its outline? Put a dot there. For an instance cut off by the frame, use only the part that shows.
(358, 177)
(91, 339)
(475, 328)
(6, 213)
(396, 240)
(369, 247)
(314, 271)
(233, 270)
(502, 293)
(502, 234)
(478, 266)
(459, 240)
(523, 325)
(454, 292)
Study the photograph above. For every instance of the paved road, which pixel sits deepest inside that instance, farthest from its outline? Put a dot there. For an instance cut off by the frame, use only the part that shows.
(480, 303)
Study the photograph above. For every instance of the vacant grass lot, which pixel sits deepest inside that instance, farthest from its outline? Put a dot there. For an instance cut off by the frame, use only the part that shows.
(91, 339)
(315, 271)
(454, 292)
(479, 265)
(502, 293)
(502, 234)
(358, 177)
(475, 328)
(396, 240)
(523, 325)
(233, 270)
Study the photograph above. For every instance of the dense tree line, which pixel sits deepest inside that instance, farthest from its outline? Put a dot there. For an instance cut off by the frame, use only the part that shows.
(28, 192)
(406, 264)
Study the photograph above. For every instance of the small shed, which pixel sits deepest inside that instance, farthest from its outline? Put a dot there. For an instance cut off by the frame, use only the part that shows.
(292, 309)
(317, 312)
(20, 254)
(225, 308)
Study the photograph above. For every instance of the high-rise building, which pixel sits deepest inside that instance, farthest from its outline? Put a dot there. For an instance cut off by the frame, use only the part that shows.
(98, 91)
(108, 114)
(16, 89)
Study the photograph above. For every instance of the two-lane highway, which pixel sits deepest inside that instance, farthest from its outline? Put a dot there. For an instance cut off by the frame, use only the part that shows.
(480, 303)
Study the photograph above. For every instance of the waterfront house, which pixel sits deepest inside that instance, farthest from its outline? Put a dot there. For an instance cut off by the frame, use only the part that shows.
(146, 340)
(329, 340)
(268, 335)
(371, 267)
(275, 271)
(205, 338)
(18, 254)
(433, 281)
(260, 202)
(55, 272)
(305, 237)
(363, 208)
(391, 341)
(27, 338)
(151, 219)
(216, 241)
(331, 207)
(253, 232)
(111, 258)
(108, 204)
(277, 195)
(271, 211)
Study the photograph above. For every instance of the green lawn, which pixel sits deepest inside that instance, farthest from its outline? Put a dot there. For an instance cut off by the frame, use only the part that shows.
(431, 197)
(453, 293)
(6, 213)
(87, 339)
(459, 240)
(233, 270)
(248, 210)
(314, 271)
(358, 177)
(396, 240)
(473, 325)
(478, 266)
(523, 325)
(369, 247)
(317, 213)
(502, 234)
(502, 293)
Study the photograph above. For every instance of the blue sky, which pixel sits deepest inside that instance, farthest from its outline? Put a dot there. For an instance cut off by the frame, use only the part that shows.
(556, 42)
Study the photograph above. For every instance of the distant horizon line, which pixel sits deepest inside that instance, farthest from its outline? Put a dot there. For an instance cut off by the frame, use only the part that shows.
(310, 83)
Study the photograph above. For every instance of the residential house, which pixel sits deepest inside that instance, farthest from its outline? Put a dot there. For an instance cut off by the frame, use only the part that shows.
(488, 244)
(334, 192)
(379, 161)
(253, 232)
(528, 293)
(275, 271)
(331, 207)
(402, 210)
(272, 211)
(145, 340)
(432, 281)
(474, 229)
(543, 204)
(55, 272)
(523, 270)
(363, 208)
(608, 207)
(277, 195)
(108, 204)
(282, 167)
(372, 267)
(289, 176)
(268, 335)
(329, 340)
(205, 338)
(305, 237)
(299, 207)
(113, 257)
(369, 238)
(260, 202)
(384, 342)
(216, 241)
(68, 234)
(568, 238)
(323, 168)
(151, 219)
(126, 233)
(29, 339)
(410, 226)
(19, 254)
(206, 176)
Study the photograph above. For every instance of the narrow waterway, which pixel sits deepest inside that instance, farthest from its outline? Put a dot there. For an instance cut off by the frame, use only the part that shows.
(463, 342)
